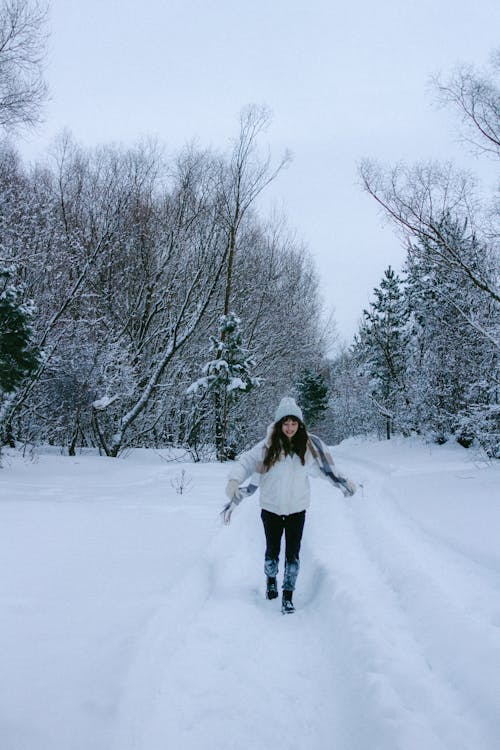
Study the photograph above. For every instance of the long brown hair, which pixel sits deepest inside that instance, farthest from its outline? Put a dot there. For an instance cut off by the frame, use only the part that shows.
(279, 443)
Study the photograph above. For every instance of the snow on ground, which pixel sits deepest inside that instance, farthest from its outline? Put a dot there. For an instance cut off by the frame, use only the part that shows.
(131, 619)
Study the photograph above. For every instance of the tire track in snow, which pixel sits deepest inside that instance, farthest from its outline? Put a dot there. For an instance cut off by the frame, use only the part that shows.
(460, 642)
(390, 693)
(394, 605)
(476, 587)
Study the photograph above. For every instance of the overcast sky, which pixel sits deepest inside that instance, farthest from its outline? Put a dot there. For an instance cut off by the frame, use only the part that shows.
(344, 80)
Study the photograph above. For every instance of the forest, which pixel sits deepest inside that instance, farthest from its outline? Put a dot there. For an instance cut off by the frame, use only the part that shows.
(147, 301)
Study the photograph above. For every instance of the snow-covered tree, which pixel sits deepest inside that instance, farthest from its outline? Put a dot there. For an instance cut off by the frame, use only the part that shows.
(312, 394)
(452, 361)
(226, 377)
(452, 237)
(19, 354)
(381, 349)
(350, 408)
(278, 299)
(127, 260)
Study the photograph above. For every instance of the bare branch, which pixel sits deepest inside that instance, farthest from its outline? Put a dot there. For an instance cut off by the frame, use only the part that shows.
(476, 98)
(418, 199)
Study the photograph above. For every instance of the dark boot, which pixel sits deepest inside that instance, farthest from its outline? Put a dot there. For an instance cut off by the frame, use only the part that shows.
(272, 589)
(286, 603)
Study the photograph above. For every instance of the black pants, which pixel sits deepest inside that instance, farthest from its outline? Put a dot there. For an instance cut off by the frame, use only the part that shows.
(293, 526)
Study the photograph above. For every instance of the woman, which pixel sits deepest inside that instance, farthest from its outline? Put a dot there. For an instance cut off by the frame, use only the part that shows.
(284, 461)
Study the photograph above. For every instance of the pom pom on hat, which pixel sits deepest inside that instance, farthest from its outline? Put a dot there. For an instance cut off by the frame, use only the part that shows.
(288, 408)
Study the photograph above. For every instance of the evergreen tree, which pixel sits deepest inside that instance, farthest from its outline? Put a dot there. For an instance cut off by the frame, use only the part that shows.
(381, 349)
(225, 377)
(312, 393)
(19, 356)
(452, 368)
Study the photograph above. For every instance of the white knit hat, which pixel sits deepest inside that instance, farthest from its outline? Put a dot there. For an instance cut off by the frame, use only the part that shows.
(288, 408)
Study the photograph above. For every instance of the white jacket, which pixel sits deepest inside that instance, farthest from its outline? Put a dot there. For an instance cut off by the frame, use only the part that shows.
(284, 489)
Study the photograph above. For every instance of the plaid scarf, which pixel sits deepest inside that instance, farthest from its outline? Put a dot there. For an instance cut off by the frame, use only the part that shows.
(324, 459)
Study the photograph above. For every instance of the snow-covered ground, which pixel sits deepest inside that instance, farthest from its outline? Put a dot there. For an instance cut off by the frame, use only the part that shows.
(131, 619)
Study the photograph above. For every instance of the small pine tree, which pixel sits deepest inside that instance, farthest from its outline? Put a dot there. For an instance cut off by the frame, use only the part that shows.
(225, 377)
(312, 393)
(19, 356)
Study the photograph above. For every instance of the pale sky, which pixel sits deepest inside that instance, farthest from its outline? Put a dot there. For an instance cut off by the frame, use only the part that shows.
(343, 81)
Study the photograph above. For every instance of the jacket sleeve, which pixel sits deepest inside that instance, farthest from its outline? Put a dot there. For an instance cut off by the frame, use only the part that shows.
(247, 463)
(313, 467)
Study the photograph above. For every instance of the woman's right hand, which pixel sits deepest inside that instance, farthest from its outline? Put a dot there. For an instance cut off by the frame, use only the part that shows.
(227, 512)
(349, 488)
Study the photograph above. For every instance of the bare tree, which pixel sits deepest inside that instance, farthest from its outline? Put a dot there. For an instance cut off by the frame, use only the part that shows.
(420, 200)
(476, 97)
(425, 200)
(22, 51)
(179, 275)
(242, 180)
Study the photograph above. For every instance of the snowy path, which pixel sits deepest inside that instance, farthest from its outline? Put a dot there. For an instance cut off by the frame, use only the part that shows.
(395, 644)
